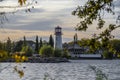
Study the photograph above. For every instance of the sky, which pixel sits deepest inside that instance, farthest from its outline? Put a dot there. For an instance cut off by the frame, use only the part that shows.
(46, 15)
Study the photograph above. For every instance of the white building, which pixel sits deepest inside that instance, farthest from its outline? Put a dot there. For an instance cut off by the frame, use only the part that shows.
(74, 49)
(77, 51)
(58, 37)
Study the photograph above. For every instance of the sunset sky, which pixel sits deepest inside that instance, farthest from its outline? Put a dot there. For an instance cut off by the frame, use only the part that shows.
(45, 17)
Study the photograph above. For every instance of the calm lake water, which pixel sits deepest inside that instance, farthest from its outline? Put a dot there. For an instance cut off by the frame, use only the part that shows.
(75, 70)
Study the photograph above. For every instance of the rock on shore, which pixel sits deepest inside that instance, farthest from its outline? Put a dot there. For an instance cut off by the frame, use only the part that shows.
(47, 60)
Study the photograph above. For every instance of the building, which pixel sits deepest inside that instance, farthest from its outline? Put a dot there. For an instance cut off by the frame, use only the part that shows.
(58, 37)
(77, 51)
(74, 49)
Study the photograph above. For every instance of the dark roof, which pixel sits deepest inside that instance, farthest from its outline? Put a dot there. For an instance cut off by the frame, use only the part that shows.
(74, 46)
(58, 27)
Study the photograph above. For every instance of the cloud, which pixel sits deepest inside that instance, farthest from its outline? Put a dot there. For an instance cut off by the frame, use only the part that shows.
(117, 3)
(16, 35)
(42, 20)
(117, 6)
(36, 10)
(47, 24)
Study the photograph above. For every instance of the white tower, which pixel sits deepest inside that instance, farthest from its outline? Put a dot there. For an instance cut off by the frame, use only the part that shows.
(58, 37)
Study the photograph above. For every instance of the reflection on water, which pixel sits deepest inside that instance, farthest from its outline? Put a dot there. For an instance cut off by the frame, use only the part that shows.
(76, 70)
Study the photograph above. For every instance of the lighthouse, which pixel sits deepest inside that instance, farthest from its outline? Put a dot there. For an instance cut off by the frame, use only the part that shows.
(58, 37)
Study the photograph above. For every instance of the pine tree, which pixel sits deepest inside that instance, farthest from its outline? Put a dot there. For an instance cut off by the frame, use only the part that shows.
(37, 45)
(8, 45)
(24, 42)
(41, 44)
(12, 46)
(1, 45)
(18, 46)
(51, 41)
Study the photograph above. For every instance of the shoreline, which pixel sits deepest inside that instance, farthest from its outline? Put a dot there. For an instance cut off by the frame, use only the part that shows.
(52, 60)
(40, 60)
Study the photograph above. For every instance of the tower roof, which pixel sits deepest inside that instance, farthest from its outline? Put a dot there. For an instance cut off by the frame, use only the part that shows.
(58, 27)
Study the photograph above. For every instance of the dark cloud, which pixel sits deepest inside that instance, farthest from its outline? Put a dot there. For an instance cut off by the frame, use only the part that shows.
(41, 24)
(37, 25)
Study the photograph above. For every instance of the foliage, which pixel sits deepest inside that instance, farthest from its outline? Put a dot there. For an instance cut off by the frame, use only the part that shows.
(57, 52)
(83, 42)
(21, 2)
(27, 50)
(20, 72)
(45, 42)
(25, 5)
(47, 77)
(9, 45)
(41, 44)
(37, 45)
(24, 41)
(19, 57)
(65, 54)
(3, 55)
(92, 44)
(116, 45)
(107, 54)
(99, 74)
(92, 11)
(51, 41)
(2, 46)
(18, 46)
(46, 51)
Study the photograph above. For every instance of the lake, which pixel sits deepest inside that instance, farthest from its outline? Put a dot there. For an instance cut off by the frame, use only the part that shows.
(74, 70)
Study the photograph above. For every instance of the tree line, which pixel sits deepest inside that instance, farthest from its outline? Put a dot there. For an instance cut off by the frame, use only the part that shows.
(11, 46)
(28, 48)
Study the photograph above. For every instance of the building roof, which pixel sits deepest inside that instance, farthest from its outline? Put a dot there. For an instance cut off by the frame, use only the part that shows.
(74, 46)
(58, 27)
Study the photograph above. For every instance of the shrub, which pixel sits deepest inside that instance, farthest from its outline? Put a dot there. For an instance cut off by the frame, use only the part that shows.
(3, 55)
(28, 50)
(46, 51)
(65, 54)
(107, 55)
(57, 53)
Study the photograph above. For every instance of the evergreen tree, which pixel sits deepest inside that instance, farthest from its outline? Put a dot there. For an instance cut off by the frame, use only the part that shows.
(37, 45)
(12, 46)
(1, 46)
(24, 42)
(41, 44)
(8, 45)
(51, 41)
(4, 46)
(18, 46)
(27, 50)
